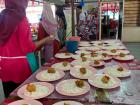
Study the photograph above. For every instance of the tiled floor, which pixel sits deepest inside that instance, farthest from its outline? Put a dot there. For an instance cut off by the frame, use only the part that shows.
(134, 49)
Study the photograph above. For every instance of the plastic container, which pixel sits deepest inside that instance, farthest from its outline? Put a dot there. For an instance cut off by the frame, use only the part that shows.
(72, 46)
(75, 38)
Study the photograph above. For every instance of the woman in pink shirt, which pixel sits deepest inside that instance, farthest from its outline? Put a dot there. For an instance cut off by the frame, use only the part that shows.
(15, 44)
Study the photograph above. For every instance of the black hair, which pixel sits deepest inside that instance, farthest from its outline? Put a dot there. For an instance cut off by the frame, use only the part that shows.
(60, 13)
(79, 7)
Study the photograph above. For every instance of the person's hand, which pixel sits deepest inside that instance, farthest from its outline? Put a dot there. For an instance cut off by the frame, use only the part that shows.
(50, 39)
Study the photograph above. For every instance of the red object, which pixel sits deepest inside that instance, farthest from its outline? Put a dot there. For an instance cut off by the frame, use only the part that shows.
(74, 38)
(110, 7)
(20, 44)
(113, 24)
(41, 34)
(56, 46)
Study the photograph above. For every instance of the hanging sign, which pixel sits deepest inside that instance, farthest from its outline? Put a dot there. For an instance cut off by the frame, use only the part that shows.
(110, 6)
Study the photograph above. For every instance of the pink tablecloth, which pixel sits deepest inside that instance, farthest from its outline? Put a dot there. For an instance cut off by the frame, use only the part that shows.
(128, 93)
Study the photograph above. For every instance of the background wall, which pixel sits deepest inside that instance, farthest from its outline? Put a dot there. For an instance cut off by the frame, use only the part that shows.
(131, 31)
(131, 34)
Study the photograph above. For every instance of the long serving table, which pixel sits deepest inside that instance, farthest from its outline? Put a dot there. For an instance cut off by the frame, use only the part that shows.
(127, 93)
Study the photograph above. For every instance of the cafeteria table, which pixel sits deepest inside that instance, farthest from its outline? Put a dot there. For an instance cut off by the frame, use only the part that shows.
(127, 94)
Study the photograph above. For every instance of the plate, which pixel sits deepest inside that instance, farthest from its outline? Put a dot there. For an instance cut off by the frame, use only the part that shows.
(95, 81)
(76, 56)
(126, 58)
(80, 62)
(113, 54)
(44, 89)
(112, 70)
(75, 72)
(92, 48)
(98, 57)
(60, 66)
(68, 102)
(124, 51)
(121, 47)
(84, 44)
(29, 102)
(106, 58)
(63, 55)
(83, 51)
(49, 77)
(69, 88)
(103, 57)
(82, 48)
(101, 63)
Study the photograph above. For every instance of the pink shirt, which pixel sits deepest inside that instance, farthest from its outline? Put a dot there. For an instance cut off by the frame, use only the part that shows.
(20, 44)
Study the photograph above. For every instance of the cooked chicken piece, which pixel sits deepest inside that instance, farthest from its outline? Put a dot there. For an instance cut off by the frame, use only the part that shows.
(105, 79)
(120, 69)
(114, 51)
(84, 59)
(104, 54)
(122, 55)
(31, 88)
(96, 62)
(65, 64)
(51, 70)
(66, 104)
(25, 104)
(83, 70)
(82, 54)
(94, 55)
(79, 83)
(67, 54)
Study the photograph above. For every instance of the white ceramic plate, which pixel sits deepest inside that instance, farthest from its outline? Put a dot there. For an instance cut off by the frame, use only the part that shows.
(29, 102)
(43, 89)
(80, 62)
(49, 77)
(95, 81)
(112, 70)
(69, 88)
(126, 58)
(83, 51)
(60, 66)
(75, 72)
(68, 102)
(63, 55)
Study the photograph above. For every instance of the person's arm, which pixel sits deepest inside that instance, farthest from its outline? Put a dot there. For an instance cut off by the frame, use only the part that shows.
(45, 40)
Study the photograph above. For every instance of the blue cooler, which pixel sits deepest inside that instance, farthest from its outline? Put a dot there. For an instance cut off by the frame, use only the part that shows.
(72, 46)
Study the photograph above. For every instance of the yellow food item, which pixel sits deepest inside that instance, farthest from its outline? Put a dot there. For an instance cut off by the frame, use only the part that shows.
(31, 88)
(96, 62)
(94, 55)
(83, 70)
(66, 104)
(67, 54)
(65, 64)
(105, 79)
(120, 69)
(25, 104)
(82, 54)
(79, 83)
(100, 44)
(84, 59)
(122, 55)
(104, 54)
(51, 70)
(114, 51)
